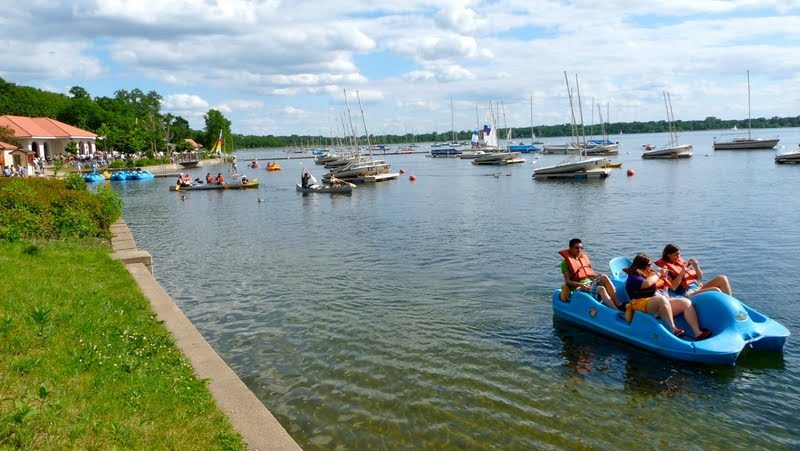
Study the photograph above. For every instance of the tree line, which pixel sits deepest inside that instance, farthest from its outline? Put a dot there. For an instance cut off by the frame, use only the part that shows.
(128, 122)
(132, 121)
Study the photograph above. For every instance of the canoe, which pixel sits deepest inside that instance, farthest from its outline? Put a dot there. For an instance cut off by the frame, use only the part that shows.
(344, 188)
(734, 325)
(213, 186)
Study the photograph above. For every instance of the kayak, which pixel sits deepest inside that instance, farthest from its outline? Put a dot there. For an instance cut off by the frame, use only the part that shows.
(344, 188)
(734, 325)
(214, 186)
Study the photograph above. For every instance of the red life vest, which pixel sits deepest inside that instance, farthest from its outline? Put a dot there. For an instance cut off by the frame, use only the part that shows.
(674, 269)
(579, 268)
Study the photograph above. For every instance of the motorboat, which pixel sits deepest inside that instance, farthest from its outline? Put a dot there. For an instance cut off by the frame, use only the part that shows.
(734, 326)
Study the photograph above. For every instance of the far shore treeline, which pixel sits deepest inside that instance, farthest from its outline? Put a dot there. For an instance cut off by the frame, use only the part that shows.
(132, 121)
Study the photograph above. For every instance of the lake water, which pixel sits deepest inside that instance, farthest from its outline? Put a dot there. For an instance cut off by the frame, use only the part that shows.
(417, 314)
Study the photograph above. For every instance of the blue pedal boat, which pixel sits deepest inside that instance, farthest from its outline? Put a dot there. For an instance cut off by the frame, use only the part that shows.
(734, 325)
(93, 177)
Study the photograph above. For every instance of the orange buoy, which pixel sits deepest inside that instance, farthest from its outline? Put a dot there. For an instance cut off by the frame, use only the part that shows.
(413, 178)
(630, 172)
(402, 171)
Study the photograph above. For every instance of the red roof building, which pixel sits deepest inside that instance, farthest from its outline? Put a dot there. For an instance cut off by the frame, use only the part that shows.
(48, 137)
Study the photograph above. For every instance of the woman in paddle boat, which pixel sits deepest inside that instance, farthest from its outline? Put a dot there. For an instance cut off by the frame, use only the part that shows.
(644, 291)
(684, 277)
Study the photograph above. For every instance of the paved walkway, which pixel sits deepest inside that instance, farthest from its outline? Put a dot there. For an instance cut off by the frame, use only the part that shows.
(248, 415)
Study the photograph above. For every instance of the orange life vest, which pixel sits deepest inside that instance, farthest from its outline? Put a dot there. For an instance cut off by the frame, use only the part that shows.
(579, 268)
(674, 269)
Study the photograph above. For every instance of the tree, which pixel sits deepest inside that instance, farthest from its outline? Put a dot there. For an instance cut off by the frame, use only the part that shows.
(216, 123)
(72, 147)
(6, 134)
(79, 93)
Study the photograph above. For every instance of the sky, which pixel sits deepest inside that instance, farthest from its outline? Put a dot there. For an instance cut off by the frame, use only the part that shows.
(281, 67)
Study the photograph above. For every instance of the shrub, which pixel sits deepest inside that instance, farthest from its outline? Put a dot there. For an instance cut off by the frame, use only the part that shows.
(75, 181)
(36, 208)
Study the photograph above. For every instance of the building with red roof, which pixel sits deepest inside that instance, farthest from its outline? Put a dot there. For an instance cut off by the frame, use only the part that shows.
(47, 137)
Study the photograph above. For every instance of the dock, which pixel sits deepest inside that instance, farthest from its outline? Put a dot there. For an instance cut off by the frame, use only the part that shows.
(598, 173)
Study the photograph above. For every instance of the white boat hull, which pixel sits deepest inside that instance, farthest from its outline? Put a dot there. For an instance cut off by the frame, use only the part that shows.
(581, 165)
(684, 151)
(746, 143)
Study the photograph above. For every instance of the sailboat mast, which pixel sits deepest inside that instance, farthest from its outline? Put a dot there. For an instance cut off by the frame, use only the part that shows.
(364, 121)
(452, 119)
(580, 111)
(533, 137)
(749, 125)
(350, 117)
(571, 109)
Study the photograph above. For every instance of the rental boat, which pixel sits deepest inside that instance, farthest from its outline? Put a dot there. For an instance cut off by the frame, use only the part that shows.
(197, 186)
(93, 177)
(140, 175)
(273, 166)
(119, 175)
(734, 325)
(749, 142)
(333, 188)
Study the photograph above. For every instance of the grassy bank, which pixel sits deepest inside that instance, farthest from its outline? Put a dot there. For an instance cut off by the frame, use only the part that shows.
(84, 364)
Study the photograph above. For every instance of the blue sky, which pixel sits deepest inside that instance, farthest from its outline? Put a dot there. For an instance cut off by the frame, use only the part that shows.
(280, 67)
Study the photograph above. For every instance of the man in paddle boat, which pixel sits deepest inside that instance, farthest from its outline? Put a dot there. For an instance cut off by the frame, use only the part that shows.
(219, 180)
(580, 275)
(209, 178)
(644, 289)
(684, 277)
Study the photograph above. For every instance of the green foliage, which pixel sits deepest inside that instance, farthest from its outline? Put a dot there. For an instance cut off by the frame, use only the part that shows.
(216, 123)
(71, 147)
(75, 181)
(58, 164)
(34, 208)
(86, 365)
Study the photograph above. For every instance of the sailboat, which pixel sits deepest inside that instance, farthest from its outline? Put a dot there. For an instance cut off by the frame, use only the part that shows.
(602, 146)
(491, 153)
(579, 163)
(527, 148)
(672, 149)
(359, 166)
(742, 143)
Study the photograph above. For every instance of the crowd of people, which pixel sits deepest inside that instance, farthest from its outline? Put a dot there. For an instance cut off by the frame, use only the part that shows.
(661, 288)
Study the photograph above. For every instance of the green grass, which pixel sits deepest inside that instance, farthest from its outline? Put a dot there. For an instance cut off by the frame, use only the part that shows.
(84, 364)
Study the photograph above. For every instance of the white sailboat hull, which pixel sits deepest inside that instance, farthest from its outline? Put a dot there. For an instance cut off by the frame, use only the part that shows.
(498, 158)
(683, 151)
(580, 165)
(746, 143)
